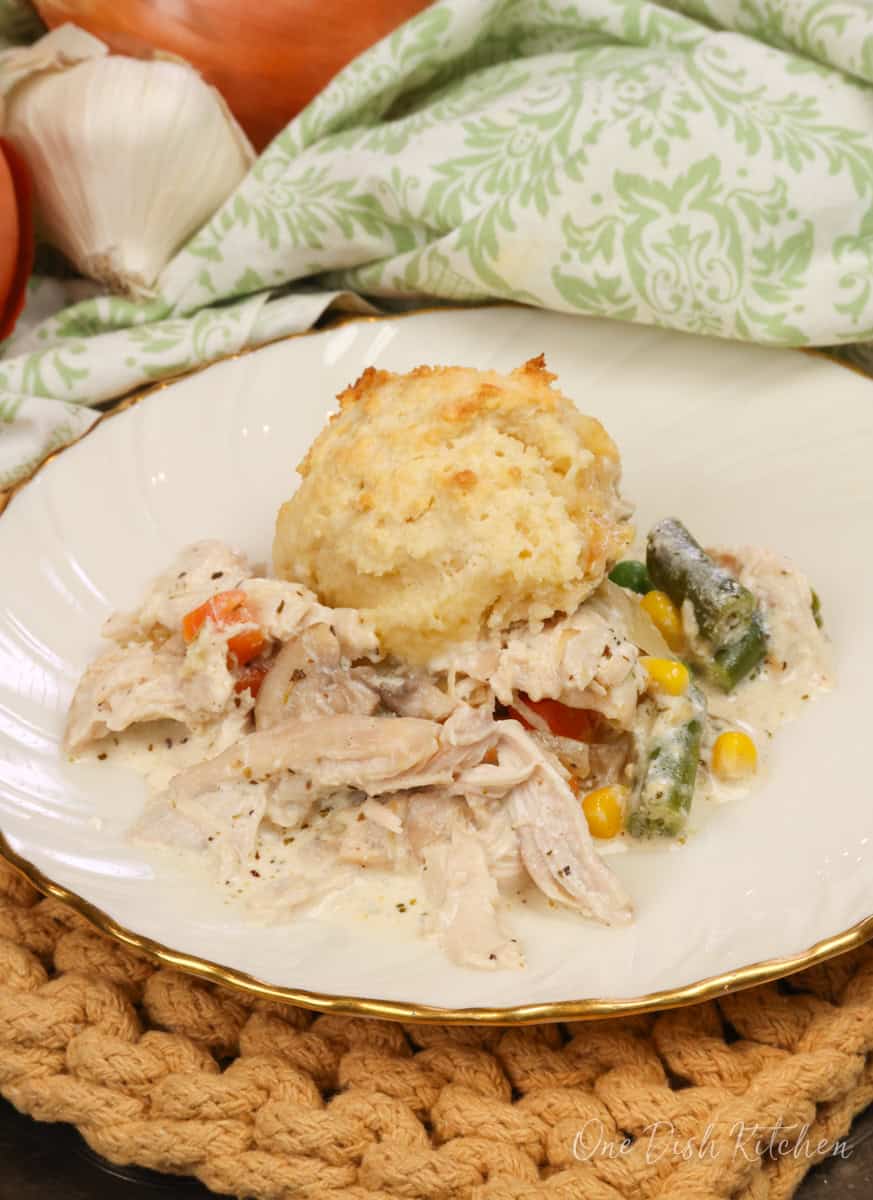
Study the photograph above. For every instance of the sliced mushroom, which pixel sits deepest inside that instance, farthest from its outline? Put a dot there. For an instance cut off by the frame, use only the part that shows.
(308, 680)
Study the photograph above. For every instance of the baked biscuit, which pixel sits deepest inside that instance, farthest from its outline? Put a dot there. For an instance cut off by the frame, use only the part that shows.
(450, 501)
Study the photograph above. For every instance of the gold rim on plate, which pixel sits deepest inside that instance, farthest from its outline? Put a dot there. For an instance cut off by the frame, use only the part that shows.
(523, 1014)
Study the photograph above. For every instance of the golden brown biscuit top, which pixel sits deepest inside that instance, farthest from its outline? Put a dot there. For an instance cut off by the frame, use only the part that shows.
(449, 500)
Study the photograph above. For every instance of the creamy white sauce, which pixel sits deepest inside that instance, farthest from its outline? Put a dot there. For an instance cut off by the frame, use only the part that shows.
(799, 661)
(274, 868)
(158, 750)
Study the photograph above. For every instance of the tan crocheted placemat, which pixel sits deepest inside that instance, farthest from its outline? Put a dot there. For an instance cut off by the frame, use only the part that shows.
(730, 1100)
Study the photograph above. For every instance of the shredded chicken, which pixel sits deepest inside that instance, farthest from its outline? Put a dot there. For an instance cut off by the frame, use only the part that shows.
(556, 846)
(369, 753)
(580, 660)
(198, 572)
(454, 775)
(150, 674)
(308, 760)
(309, 679)
(283, 610)
(465, 903)
(363, 762)
(368, 844)
(136, 683)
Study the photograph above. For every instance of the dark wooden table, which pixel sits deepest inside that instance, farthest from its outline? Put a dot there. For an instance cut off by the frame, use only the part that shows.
(44, 1162)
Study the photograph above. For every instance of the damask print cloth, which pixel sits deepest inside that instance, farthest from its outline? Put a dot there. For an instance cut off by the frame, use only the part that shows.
(705, 165)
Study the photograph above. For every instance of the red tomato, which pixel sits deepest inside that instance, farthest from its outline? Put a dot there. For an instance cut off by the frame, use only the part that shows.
(580, 724)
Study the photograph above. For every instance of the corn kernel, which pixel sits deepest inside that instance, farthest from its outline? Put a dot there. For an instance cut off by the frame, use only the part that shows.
(665, 616)
(667, 674)
(604, 810)
(734, 755)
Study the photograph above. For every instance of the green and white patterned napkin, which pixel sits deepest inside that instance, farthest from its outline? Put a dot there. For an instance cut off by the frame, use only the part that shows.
(705, 165)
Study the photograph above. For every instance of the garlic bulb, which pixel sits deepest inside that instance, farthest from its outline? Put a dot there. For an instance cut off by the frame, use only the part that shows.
(128, 157)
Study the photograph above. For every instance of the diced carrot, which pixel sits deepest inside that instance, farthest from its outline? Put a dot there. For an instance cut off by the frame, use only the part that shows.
(223, 609)
(580, 724)
(251, 678)
(245, 646)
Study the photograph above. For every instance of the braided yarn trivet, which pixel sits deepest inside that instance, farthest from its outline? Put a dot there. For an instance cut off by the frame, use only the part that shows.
(268, 1101)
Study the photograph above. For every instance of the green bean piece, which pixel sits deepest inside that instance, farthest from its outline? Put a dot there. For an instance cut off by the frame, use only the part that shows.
(668, 771)
(631, 574)
(733, 662)
(815, 605)
(680, 567)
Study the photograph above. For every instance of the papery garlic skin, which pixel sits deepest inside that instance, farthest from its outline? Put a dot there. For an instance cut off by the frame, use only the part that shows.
(129, 157)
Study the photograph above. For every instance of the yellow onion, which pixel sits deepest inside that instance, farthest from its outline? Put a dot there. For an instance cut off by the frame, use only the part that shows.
(16, 236)
(267, 59)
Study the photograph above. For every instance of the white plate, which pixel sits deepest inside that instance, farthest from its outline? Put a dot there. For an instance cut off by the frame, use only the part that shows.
(747, 444)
